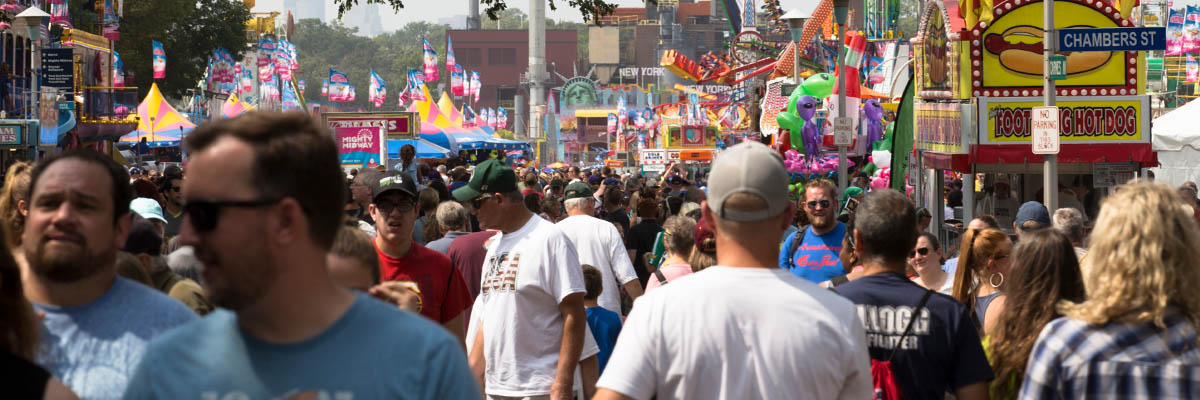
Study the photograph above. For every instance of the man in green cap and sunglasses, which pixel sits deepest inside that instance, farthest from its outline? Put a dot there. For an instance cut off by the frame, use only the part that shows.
(528, 325)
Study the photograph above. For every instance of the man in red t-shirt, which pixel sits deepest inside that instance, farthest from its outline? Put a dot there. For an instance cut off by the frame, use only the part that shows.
(443, 292)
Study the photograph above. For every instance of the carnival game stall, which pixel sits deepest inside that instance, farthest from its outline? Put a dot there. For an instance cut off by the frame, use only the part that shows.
(979, 74)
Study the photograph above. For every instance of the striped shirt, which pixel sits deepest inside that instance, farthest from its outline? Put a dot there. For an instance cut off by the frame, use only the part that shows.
(1076, 360)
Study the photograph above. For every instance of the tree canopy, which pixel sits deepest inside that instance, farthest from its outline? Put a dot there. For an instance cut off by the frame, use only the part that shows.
(591, 9)
(189, 30)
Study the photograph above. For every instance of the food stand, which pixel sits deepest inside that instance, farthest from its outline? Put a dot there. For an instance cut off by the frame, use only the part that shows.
(977, 83)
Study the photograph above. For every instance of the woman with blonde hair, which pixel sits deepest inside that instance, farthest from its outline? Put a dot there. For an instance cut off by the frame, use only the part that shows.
(1135, 334)
(678, 241)
(980, 279)
(12, 202)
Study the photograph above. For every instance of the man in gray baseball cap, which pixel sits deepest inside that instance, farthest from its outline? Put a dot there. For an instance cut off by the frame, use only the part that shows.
(677, 327)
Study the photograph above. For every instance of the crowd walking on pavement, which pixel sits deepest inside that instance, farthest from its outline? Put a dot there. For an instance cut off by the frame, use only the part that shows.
(263, 270)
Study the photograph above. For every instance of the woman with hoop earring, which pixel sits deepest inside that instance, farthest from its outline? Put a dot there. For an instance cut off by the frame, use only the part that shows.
(980, 285)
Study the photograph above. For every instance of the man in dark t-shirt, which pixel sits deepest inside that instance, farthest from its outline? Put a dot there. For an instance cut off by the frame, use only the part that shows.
(942, 352)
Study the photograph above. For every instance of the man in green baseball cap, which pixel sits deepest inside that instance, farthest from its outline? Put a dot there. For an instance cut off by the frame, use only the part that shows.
(531, 273)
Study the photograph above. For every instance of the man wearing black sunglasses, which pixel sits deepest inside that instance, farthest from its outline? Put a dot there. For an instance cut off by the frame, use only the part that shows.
(263, 207)
(816, 257)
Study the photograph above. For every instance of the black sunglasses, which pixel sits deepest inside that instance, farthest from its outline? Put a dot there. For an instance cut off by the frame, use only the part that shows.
(386, 207)
(824, 204)
(921, 250)
(204, 215)
(477, 202)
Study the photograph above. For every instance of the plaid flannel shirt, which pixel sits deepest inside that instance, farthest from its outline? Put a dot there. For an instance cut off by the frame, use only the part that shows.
(1076, 360)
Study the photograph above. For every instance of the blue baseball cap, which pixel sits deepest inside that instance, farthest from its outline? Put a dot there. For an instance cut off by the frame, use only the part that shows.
(147, 208)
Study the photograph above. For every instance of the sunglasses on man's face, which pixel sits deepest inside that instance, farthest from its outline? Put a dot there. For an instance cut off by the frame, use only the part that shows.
(823, 203)
(477, 202)
(204, 215)
(920, 250)
(386, 207)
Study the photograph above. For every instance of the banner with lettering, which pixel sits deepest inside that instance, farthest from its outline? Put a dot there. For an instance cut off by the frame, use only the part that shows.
(339, 86)
(431, 68)
(451, 63)
(1191, 30)
(360, 146)
(377, 92)
(1191, 68)
(416, 85)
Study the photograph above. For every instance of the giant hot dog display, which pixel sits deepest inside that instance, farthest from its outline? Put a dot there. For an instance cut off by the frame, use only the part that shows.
(1020, 50)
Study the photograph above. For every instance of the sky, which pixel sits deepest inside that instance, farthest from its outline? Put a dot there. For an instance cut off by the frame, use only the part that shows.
(432, 10)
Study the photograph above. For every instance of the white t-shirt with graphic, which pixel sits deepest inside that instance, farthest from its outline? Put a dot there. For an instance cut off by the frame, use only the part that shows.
(526, 274)
(599, 245)
(740, 333)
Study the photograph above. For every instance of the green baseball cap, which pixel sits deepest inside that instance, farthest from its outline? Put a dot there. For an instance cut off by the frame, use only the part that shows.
(577, 190)
(490, 177)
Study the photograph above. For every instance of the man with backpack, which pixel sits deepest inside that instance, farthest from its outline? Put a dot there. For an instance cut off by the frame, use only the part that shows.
(922, 343)
(741, 329)
(812, 252)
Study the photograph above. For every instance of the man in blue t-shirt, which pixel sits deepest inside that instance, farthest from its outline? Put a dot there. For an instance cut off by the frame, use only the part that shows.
(942, 351)
(604, 324)
(816, 258)
(285, 330)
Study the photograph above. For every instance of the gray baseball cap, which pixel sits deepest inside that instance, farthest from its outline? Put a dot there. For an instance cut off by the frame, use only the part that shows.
(749, 167)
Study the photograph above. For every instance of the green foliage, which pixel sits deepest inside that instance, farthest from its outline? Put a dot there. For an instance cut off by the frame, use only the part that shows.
(189, 30)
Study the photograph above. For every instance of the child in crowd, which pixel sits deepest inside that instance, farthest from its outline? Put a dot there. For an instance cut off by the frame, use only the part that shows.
(605, 324)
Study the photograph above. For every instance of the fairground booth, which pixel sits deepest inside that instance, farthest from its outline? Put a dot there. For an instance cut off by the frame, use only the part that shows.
(977, 78)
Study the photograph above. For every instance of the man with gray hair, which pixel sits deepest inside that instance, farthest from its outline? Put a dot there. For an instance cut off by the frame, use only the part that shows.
(599, 244)
(1069, 221)
(455, 220)
(735, 330)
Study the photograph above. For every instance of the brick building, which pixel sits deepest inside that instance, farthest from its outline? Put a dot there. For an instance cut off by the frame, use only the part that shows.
(502, 56)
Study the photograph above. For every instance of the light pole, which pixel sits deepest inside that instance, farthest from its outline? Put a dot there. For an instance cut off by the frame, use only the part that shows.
(795, 20)
(1049, 161)
(33, 17)
(840, 8)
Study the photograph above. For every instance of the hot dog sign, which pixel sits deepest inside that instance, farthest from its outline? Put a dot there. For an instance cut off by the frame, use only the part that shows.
(1006, 52)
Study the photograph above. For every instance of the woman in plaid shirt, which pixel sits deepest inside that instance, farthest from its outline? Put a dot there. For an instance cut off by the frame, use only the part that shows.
(1135, 335)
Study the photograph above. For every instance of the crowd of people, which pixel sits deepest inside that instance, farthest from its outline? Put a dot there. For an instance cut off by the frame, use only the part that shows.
(266, 271)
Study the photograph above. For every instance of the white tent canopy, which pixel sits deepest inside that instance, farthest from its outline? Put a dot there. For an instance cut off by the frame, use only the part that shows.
(1176, 138)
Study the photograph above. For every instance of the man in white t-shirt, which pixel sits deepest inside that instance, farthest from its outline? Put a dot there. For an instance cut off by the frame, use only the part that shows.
(528, 325)
(742, 329)
(599, 245)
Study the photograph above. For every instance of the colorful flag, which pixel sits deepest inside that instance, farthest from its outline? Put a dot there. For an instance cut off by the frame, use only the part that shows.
(1193, 69)
(290, 100)
(160, 60)
(456, 83)
(468, 116)
(59, 14)
(283, 60)
(325, 88)
(302, 85)
(1175, 33)
(612, 123)
(502, 120)
(431, 68)
(416, 85)
(118, 72)
(339, 86)
(377, 92)
(1191, 30)
(266, 50)
(112, 24)
(451, 63)
(247, 79)
(476, 84)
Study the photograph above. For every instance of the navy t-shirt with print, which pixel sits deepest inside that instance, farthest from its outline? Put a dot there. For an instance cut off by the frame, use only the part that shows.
(943, 351)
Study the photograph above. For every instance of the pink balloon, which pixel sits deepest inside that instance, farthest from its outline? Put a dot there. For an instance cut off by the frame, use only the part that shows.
(878, 183)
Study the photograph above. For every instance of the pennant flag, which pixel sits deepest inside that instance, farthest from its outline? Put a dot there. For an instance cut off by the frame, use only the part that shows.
(118, 72)
(111, 22)
(1193, 69)
(339, 86)
(59, 14)
(456, 83)
(291, 102)
(283, 60)
(1175, 21)
(377, 92)
(160, 60)
(612, 123)
(416, 85)
(1191, 30)
(247, 78)
(451, 63)
(468, 116)
(266, 73)
(302, 85)
(475, 85)
(266, 50)
(431, 68)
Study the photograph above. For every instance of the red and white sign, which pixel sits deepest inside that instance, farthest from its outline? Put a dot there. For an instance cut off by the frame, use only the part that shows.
(1044, 130)
(653, 156)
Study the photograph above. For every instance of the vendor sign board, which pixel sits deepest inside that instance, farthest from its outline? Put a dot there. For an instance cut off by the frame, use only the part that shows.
(361, 146)
(1113, 174)
(396, 125)
(1082, 120)
(937, 55)
(653, 156)
(1006, 53)
(10, 135)
(943, 127)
